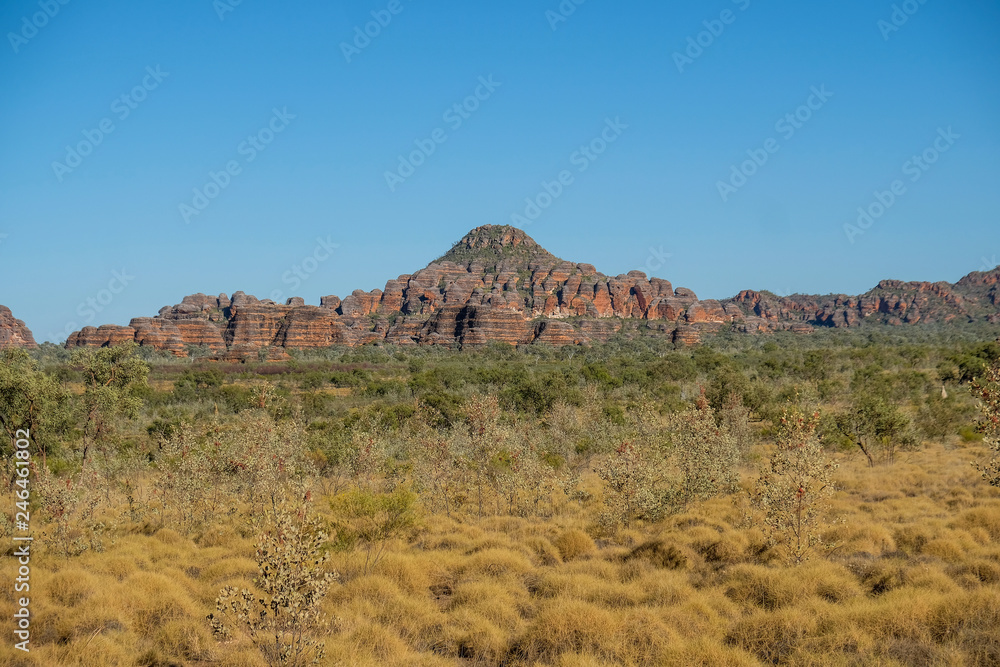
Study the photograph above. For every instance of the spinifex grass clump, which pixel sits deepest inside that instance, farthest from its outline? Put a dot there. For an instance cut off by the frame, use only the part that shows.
(792, 493)
(284, 618)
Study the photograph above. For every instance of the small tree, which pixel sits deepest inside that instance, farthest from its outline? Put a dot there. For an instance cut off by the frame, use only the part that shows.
(987, 390)
(793, 492)
(113, 379)
(877, 427)
(30, 400)
(283, 619)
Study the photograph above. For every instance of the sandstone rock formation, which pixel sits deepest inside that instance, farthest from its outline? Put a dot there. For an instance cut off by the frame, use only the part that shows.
(13, 332)
(498, 284)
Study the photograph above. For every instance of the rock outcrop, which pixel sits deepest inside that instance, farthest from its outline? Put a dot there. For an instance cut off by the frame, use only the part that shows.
(498, 284)
(13, 332)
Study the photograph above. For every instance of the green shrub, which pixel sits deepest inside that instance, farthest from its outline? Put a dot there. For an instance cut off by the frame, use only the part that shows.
(369, 521)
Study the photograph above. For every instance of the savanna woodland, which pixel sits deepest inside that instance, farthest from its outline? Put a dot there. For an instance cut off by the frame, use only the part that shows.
(807, 500)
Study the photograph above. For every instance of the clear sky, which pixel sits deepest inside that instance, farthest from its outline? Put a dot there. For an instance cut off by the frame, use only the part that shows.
(309, 128)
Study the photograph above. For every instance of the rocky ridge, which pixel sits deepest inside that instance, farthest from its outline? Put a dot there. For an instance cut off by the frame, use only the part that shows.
(498, 284)
(13, 332)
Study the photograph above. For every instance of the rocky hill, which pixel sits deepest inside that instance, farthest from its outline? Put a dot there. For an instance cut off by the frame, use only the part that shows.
(13, 333)
(892, 302)
(498, 284)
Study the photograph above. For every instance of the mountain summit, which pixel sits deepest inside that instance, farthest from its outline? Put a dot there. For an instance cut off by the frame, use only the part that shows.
(496, 243)
(498, 284)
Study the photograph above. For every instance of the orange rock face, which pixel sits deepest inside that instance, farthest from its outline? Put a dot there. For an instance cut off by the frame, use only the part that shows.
(102, 336)
(13, 332)
(705, 311)
(554, 332)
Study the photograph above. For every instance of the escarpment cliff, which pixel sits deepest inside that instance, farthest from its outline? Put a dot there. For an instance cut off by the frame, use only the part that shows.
(498, 284)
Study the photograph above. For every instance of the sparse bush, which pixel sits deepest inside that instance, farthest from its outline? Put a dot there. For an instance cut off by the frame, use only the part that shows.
(706, 452)
(792, 493)
(440, 474)
(634, 485)
(263, 458)
(486, 441)
(734, 418)
(526, 478)
(987, 390)
(366, 457)
(69, 508)
(284, 618)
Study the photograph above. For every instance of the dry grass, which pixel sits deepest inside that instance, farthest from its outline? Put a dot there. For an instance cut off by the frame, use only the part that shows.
(573, 544)
(911, 577)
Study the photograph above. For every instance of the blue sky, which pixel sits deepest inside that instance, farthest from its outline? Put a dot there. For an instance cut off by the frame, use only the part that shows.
(650, 201)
